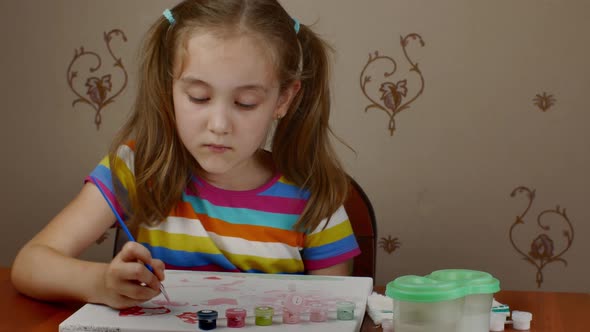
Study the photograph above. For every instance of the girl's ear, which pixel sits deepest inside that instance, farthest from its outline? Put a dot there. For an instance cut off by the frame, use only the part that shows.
(286, 98)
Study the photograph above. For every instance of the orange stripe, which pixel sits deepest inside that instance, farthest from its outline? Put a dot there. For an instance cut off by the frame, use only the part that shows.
(247, 232)
(131, 144)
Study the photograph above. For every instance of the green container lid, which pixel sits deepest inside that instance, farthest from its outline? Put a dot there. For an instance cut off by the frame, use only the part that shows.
(476, 282)
(420, 289)
(442, 285)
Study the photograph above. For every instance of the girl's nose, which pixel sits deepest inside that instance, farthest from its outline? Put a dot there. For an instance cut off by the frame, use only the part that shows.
(220, 120)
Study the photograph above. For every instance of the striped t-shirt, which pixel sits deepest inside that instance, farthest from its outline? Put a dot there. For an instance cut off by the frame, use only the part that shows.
(240, 231)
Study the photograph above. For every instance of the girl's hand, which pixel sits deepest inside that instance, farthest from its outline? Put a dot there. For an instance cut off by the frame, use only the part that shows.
(127, 281)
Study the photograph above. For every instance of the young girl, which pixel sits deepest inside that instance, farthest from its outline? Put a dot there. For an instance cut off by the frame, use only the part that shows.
(188, 172)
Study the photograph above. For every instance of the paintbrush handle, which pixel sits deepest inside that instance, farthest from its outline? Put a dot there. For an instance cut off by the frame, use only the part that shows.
(125, 229)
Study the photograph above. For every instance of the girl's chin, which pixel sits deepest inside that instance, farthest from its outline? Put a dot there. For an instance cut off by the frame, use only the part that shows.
(214, 167)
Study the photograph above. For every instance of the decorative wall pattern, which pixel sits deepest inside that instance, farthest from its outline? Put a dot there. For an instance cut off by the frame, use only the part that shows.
(544, 101)
(389, 245)
(99, 89)
(542, 248)
(394, 92)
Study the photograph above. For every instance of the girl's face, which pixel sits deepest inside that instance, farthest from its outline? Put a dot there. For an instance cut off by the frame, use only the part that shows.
(226, 96)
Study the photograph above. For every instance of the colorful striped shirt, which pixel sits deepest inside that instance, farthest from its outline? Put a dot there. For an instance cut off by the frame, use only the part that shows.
(240, 231)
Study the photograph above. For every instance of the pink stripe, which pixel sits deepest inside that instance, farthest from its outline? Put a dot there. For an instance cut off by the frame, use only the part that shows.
(273, 204)
(324, 263)
(208, 268)
(109, 195)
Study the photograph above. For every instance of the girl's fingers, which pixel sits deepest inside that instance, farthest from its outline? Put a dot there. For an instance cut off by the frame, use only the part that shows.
(135, 292)
(133, 251)
(159, 267)
(138, 273)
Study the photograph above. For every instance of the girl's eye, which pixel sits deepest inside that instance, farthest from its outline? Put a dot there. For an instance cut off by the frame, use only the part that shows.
(198, 100)
(245, 106)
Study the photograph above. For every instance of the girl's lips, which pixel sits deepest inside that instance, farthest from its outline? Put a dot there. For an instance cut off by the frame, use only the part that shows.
(217, 148)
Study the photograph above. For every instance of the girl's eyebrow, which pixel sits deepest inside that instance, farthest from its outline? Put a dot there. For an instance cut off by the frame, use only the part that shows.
(192, 81)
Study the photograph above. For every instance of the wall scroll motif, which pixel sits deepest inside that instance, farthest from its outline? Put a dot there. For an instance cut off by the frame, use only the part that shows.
(394, 93)
(542, 248)
(97, 91)
(389, 244)
(544, 101)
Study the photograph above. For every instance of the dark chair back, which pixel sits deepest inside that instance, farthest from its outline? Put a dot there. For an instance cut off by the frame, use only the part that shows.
(364, 224)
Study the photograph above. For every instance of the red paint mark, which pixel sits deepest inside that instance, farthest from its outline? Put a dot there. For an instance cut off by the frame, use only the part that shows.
(188, 317)
(212, 278)
(144, 311)
(171, 303)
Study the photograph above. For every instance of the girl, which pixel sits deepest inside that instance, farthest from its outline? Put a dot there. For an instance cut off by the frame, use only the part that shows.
(188, 171)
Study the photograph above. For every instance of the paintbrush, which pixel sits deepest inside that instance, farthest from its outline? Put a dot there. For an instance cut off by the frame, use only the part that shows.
(127, 232)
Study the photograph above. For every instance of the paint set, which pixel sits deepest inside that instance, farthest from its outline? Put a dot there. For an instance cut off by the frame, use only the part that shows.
(205, 301)
(263, 315)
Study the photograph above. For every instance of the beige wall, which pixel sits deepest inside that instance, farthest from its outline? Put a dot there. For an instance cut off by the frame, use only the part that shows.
(440, 184)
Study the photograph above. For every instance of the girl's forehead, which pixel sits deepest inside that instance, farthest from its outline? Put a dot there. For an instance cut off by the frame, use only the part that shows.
(241, 55)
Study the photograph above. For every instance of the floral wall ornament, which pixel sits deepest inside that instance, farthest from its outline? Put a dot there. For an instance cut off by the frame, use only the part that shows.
(542, 248)
(102, 238)
(393, 92)
(389, 244)
(98, 89)
(544, 101)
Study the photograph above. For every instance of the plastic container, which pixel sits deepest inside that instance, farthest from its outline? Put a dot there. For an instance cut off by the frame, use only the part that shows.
(263, 315)
(236, 317)
(479, 288)
(444, 301)
(318, 313)
(345, 310)
(207, 319)
(521, 320)
(290, 317)
(497, 321)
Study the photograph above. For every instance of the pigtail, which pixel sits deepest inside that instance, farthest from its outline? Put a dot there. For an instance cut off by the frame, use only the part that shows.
(158, 181)
(301, 146)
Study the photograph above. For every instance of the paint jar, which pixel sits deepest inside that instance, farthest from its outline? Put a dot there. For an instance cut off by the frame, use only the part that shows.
(345, 310)
(207, 319)
(318, 313)
(236, 317)
(521, 320)
(263, 315)
(497, 321)
(291, 317)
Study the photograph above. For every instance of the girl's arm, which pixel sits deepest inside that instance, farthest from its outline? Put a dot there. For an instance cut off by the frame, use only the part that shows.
(341, 269)
(46, 267)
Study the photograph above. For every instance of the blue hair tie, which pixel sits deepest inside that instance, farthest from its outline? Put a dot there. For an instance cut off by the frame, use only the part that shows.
(297, 25)
(168, 15)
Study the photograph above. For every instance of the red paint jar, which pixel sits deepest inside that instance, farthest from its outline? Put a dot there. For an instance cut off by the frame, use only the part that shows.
(236, 317)
(318, 313)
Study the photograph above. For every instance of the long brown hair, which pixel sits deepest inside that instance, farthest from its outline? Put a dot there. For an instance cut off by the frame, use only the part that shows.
(301, 147)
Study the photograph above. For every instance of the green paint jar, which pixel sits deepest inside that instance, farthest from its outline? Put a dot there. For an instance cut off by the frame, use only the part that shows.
(345, 310)
(263, 315)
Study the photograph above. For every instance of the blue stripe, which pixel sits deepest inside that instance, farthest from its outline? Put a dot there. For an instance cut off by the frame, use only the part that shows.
(280, 189)
(242, 216)
(189, 259)
(103, 174)
(329, 250)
